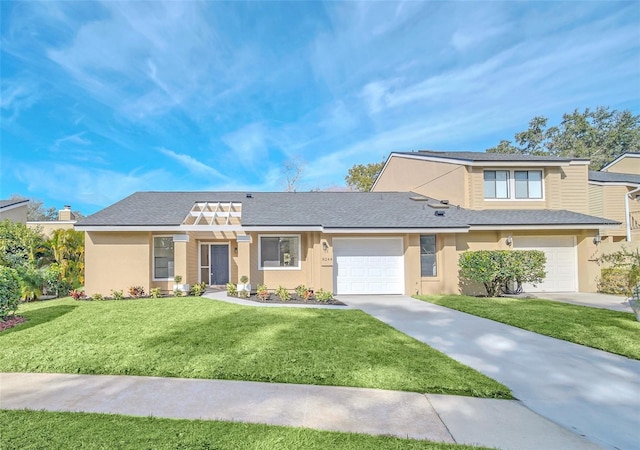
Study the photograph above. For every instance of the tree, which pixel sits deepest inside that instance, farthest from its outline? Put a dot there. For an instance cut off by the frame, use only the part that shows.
(292, 171)
(67, 249)
(20, 246)
(362, 176)
(600, 135)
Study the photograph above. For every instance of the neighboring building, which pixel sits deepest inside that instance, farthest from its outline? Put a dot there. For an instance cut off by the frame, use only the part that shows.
(66, 220)
(626, 163)
(532, 188)
(344, 242)
(14, 210)
(616, 196)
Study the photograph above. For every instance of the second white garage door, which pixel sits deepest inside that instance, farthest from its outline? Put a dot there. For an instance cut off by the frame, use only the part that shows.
(368, 265)
(561, 264)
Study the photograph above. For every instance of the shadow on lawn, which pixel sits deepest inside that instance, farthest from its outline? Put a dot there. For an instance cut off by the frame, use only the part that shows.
(40, 316)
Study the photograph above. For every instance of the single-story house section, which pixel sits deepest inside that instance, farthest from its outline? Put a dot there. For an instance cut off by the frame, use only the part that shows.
(343, 242)
(14, 210)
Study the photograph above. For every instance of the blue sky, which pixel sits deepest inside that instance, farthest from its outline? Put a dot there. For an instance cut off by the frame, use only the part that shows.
(102, 99)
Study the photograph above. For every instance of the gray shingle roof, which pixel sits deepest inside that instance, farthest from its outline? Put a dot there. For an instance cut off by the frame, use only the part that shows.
(7, 203)
(488, 157)
(384, 210)
(612, 177)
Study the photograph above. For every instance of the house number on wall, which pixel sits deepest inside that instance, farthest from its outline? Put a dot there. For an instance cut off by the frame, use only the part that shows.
(327, 260)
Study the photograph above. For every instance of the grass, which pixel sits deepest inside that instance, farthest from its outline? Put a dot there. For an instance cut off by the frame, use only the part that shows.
(204, 338)
(39, 430)
(611, 331)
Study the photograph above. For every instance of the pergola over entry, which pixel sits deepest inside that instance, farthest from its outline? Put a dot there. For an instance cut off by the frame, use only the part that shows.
(214, 213)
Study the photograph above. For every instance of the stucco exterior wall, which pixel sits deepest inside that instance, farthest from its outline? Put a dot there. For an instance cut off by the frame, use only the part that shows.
(48, 227)
(117, 261)
(442, 181)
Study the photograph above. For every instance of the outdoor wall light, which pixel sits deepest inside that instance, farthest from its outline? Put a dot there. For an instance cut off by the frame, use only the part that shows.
(509, 241)
(597, 239)
(235, 250)
(325, 246)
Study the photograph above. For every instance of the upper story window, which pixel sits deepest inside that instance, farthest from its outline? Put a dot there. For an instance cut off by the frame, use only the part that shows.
(428, 266)
(517, 184)
(528, 183)
(279, 252)
(496, 184)
(163, 259)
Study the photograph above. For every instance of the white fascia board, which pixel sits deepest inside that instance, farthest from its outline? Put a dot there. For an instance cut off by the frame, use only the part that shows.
(393, 230)
(534, 227)
(614, 183)
(288, 228)
(466, 162)
(15, 205)
(163, 228)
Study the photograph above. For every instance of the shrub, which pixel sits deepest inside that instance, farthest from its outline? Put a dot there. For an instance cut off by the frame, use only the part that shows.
(177, 279)
(97, 296)
(300, 290)
(156, 292)
(9, 291)
(496, 268)
(198, 289)
(77, 294)
(117, 294)
(629, 263)
(262, 292)
(53, 281)
(232, 290)
(177, 293)
(136, 291)
(614, 281)
(324, 296)
(244, 293)
(283, 294)
(244, 279)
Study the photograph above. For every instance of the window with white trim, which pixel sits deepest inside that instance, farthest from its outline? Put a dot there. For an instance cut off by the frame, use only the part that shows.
(428, 265)
(163, 257)
(513, 184)
(279, 252)
(528, 183)
(496, 184)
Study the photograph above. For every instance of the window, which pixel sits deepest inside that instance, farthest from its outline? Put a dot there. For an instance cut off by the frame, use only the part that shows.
(279, 252)
(428, 255)
(163, 257)
(496, 184)
(528, 183)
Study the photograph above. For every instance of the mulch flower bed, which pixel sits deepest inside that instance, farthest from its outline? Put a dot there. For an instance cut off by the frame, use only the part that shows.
(294, 299)
(11, 322)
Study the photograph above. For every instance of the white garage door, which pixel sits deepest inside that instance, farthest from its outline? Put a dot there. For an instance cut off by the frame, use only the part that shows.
(368, 265)
(562, 264)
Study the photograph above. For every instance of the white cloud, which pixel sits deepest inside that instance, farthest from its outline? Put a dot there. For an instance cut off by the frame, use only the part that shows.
(249, 145)
(73, 139)
(71, 183)
(192, 164)
(18, 94)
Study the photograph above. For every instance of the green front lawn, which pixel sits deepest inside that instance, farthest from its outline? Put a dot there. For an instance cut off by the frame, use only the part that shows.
(204, 338)
(611, 331)
(23, 430)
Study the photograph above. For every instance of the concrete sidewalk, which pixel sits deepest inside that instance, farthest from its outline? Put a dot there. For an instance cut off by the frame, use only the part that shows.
(591, 299)
(503, 424)
(588, 391)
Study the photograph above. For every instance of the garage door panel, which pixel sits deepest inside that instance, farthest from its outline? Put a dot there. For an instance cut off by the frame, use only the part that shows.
(561, 265)
(369, 266)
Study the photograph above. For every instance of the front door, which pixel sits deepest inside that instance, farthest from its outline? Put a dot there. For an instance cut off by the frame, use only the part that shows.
(219, 265)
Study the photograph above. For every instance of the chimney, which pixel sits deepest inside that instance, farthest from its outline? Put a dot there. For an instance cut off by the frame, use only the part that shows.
(66, 214)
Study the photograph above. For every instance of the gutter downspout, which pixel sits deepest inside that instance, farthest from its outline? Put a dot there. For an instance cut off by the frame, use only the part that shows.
(627, 196)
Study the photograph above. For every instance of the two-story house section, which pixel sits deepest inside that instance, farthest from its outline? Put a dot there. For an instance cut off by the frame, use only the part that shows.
(614, 193)
(498, 188)
(479, 180)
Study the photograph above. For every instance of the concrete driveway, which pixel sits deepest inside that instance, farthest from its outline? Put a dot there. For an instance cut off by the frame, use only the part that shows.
(592, 393)
(594, 300)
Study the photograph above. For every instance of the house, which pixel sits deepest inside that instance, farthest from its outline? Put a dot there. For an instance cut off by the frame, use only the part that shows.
(66, 220)
(533, 189)
(343, 242)
(614, 193)
(14, 210)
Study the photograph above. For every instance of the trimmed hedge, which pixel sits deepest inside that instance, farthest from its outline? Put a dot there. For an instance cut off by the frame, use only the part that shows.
(496, 268)
(10, 291)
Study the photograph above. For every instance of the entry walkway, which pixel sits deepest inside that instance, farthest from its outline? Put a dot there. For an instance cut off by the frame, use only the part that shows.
(593, 300)
(504, 424)
(588, 391)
